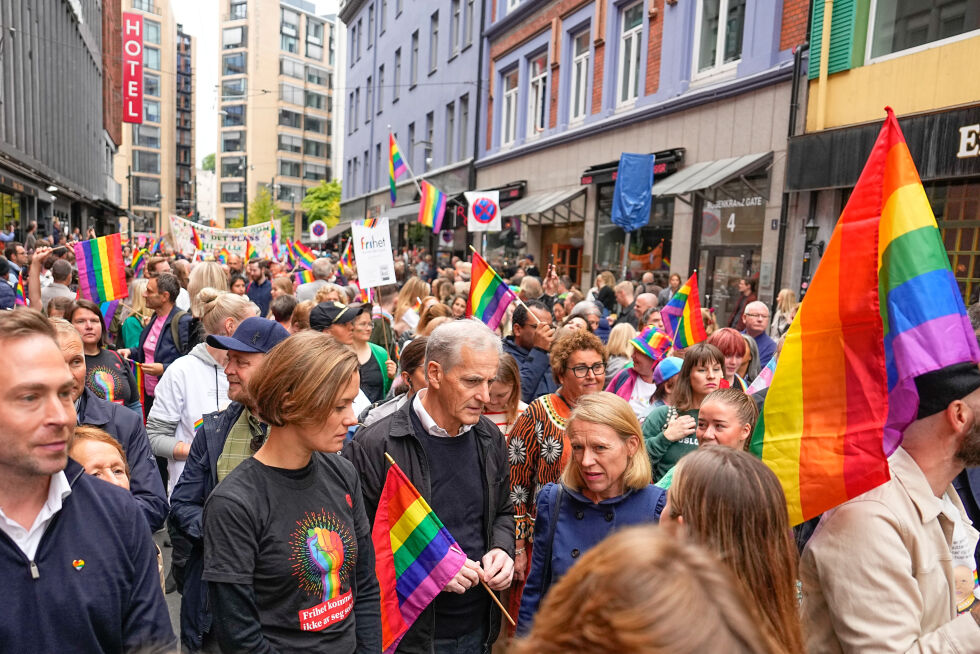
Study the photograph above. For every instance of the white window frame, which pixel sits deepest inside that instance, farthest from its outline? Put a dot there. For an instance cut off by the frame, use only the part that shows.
(870, 59)
(512, 5)
(634, 35)
(508, 115)
(580, 72)
(537, 97)
(450, 132)
(719, 68)
(433, 42)
(456, 19)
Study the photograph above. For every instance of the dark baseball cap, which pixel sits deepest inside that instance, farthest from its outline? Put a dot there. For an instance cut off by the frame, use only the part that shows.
(327, 314)
(252, 335)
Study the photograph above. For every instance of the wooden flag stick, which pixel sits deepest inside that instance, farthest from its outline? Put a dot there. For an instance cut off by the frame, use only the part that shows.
(516, 296)
(493, 596)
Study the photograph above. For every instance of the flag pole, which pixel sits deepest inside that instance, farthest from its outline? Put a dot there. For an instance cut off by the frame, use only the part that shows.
(516, 296)
(489, 591)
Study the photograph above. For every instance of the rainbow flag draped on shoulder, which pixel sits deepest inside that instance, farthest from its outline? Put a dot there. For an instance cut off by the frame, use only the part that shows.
(682, 315)
(883, 308)
(101, 271)
(489, 295)
(415, 555)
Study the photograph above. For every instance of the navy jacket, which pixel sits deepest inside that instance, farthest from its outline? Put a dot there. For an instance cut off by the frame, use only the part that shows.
(166, 352)
(94, 585)
(581, 525)
(967, 485)
(261, 294)
(535, 366)
(126, 426)
(7, 296)
(198, 479)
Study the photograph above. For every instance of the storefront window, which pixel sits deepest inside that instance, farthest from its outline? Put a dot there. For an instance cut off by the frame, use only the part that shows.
(649, 245)
(9, 209)
(957, 209)
(736, 216)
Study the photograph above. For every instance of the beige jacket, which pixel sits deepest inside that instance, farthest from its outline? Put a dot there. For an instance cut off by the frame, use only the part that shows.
(877, 574)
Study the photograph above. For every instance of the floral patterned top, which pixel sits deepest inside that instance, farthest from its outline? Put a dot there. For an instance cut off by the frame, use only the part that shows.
(537, 453)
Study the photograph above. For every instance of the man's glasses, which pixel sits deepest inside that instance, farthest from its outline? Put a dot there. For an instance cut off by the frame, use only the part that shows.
(582, 371)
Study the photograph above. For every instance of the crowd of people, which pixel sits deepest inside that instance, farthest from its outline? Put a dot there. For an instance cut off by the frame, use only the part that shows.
(599, 483)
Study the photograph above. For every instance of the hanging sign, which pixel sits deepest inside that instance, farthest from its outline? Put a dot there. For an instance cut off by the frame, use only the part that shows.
(132, 73)
(484, 211)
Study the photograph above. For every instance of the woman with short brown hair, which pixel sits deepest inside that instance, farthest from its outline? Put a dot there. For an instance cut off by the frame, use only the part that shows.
(288, 555)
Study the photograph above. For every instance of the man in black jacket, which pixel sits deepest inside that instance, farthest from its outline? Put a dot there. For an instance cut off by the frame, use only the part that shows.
(530, 345)
(457, 460)
(212, 456)
(119, 422)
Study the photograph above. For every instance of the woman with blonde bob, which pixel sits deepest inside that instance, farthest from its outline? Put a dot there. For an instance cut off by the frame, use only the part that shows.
(619, 349)
(730, 502)
(642, 591)
(605, 486)
(288, 555)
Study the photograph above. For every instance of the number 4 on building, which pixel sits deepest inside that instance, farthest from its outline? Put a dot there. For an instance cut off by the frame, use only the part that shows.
(731, 222)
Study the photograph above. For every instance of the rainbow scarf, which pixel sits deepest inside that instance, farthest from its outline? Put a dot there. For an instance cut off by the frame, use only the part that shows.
(101, 272)
(250, 252)
(20, 299)
(489, 295)
(396, 166)
(138, 262)
(196, 239)
(682, 316)
(416, 556)
(883, 307)
(304, 255)
(432, 206)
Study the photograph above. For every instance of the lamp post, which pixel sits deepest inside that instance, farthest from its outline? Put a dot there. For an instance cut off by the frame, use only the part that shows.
(244, 168)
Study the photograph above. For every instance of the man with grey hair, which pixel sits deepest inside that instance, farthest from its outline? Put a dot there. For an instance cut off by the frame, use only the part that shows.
(457, 459)
(61, 277)
(322, 273)
(756, 319)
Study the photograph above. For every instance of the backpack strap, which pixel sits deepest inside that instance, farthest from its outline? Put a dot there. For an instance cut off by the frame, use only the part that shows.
(175, 331)
(556, 499)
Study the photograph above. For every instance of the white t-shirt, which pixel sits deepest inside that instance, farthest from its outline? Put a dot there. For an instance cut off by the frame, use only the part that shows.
(964, 565)
(28, 539)
(640, 399)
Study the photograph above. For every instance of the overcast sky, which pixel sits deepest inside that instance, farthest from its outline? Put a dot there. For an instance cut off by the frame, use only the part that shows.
(200, 19)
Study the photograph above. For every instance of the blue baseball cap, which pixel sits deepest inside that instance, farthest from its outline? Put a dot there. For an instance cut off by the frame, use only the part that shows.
(253, 335)
(667, 369)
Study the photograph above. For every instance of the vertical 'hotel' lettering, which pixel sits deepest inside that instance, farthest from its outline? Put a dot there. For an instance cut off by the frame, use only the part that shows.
(132, 67)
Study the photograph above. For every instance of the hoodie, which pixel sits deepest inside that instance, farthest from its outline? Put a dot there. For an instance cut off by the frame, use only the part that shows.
(190, 387)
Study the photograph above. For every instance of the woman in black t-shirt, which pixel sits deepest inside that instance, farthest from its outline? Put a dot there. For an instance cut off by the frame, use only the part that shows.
(288, 555)
(106, 373)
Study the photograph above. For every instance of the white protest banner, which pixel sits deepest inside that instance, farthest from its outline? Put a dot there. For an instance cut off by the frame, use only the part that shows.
(484, 211)
(372, 252)
(213, 238)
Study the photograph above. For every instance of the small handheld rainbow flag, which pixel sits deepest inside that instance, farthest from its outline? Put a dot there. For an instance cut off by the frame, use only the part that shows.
(223, 255)
(396, 165)
(363, 294)
(489, 295)
(140, 383)
(138, 262)
(432, 206)
(415, 555)
(682, 316)
(304, 276)
(275, 241)
(153, 246)
(250, 252)
(289, 253)
(196, 239)
(101, 273)
(304, 255)
(20, 299)
(347, 258)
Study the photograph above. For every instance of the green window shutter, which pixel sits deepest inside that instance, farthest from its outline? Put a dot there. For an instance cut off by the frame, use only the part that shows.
(842, 29)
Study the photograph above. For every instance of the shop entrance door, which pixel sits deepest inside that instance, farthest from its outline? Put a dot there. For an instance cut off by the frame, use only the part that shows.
(719, 271)
(568, 261)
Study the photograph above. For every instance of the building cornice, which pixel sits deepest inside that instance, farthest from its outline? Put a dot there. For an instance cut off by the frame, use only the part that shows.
(349, 9)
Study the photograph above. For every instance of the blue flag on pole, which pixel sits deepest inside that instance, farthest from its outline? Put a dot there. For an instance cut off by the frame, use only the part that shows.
(634, 191)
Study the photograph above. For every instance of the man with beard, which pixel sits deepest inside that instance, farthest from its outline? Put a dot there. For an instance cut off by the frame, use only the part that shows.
(878, 573)
(225, 439)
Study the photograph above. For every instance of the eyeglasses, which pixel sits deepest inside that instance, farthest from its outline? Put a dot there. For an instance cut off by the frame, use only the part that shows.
(596, 368)
(757, 315)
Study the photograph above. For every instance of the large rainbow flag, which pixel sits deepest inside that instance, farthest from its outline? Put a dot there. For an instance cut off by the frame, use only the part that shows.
(396, 165)
(489, 294)
(682, 315)
(101, 271)
(883, 308)
(415, 555)
(432, 206)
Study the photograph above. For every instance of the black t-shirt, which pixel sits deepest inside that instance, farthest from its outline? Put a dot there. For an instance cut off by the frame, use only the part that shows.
(371, 381)
(301, 541)
(457, 498)
(109, 377)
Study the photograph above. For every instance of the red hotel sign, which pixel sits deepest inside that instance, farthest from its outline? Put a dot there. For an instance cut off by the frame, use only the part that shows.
(132, 67)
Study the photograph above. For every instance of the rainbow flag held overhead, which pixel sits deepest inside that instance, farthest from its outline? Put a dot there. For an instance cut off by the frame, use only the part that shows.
(396, 165)
(196, 239)
(138, 262)
(101, 272)
(682, 316)
(489, 294)
(304, 276)
(20, 299)
(415, 556)
(153, 246)
(250, 252)
(883, 308)
(304, 255)
(432, 206)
